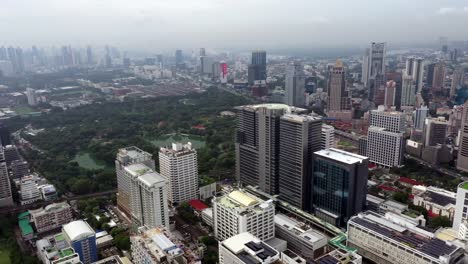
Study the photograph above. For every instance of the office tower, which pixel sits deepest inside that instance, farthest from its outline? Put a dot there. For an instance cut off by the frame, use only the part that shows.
(82, 238)
(28, 190)
(408, 91)
(295, 85)
(12, 58)
(259, 59)
(300, 137)
(215, 71)
(420, 115)
(247, 248)
(435, 131)
(257, 144)
(202, 52)
(362, 144)
(148, 203)
(31, 95)
(376, 68)
(89, 55)
(460, 220)
(391, 238)
(415, 69)
(6, 198)
(224, 72)
(179, 59)
(3, 53)
(391, 120)
(462, 161)
(6, 69)
(19, 168)
(178, 165)
(155, 246)
(436, 76)
(339, 185)
(251, 72)
(339, 103)
(458, 80)
(51, 217)
(125, 157)
(328, 137)
(390, 91)
(11, 154)
(300, 237)
(4, 135)
(385, 148)
(397, 78)
(19, 60)
(455, 120)
(206, 64)
(239, 212)
(365, 67)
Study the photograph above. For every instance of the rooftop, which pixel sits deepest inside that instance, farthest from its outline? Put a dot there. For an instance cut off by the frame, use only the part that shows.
(463, 185)
(250, 249)
(198, 205)
(78, 230)
(152, 178)
(300, 118)
(25, 226)
(133, 152)
(137, 169)
(341, 156)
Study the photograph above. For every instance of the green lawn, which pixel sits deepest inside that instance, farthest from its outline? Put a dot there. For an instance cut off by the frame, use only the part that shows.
(23, 110)
(86, 161)
(4, 255)
(167, 140)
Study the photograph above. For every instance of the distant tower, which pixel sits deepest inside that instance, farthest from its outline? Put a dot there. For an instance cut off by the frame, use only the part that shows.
(457, 80)
(338, 99)
(257, 68)
(295, 85)
(6, 198)
(179, 58)
(89, 55)
(31, 95)
(462, 161)
(408, 91)
(436, 76)
(376, 68)
(415, 69)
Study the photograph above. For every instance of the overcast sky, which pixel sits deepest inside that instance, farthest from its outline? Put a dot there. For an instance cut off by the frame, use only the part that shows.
(169, 24)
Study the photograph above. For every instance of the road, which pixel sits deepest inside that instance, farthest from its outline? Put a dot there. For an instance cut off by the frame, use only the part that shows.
(22, 208)
(437, 168)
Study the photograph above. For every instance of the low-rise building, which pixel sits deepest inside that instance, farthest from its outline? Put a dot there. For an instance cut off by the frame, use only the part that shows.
(340, 256)
(29, 192)
(301, 238)
(435, 200)
(246, 248)
(51, 217)
(207, 216)
(387, 240)
(55, 250)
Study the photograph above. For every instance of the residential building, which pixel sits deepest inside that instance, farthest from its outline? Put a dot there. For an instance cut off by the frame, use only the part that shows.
(408, 91)
(385, 148)
(55, 250)
(32, 97)
(339, 185)
(51, 216)
(19, 168)
(125, 157)
(458, 80)
(462, 161)
(82, 238)
(390, 240)
(246, 248)
(300, 137)
(11, 154)
(29, 192)
(420, 116)
(257, 144)
(435, 200)
(301, 238)
(6, 198)
(460, 220)
(392, 121)
(435, 131)
(178, 165)
(149, 206)
(295, 85)
(239, 212)
(328, 137)
(155, 246)
(338, 98)
(415, 69)
(436, 76)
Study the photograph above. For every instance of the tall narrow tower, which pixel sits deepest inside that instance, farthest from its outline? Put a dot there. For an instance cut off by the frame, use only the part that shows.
(295, 85)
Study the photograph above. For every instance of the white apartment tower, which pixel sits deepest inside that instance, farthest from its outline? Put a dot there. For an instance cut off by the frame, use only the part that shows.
(239, 212)
(125, 157)
(149, 206)
(29, 191)
(5, 187)
(460, 220)
(178, 165)
(328, 137)
(31, 95)
(462, 161)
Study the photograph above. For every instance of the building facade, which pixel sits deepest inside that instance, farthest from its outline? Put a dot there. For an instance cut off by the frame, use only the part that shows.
(82, 238)
(6, 198)
(51, 217)
(462, 161)
(295, 85)
(246, 248)
(338, 98)
(328, 137)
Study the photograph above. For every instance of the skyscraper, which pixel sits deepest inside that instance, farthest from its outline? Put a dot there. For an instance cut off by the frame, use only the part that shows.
(31, 95)
(458, 79)
(178, 58)
(6, 198)
(339, 102)
(390, 92)
(178, 165)
(365, 67)
(4, 135)
(462, 161)
(376, 68)
(295, 85)
(415, 69)
(300, 137)
(259, 58)
(125, 157)
(420, 116)
(257, 144)
(436, 76)
(339, 185)
(435, 131)
(89, 55)
(408, 91)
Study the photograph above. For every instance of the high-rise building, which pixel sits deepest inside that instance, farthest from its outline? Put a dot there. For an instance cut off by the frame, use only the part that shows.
(365, 67)
(31, 95)
(408, 92)
(390, 92)
(125, 157)
(462, 161)
(415, 69)
(215, 71)
(259, 59)
(300, 137)
(51, 217)
(392, 239)
(29, 190)
(89, 55)
(202, 52)
(384, 147)
(420, 115)
(460, 220)
(178, 165)
(82, 238)
(206, 64)
(339, 185)
(257, 144)
(11, 154)
(435, 131)
(436, 76)
(149, 206)
(179, 59)
(393, 121)
(458, 79)
(6, 198)
(376, 68)
(295, 85)
(246, 248)
(4, 135)
(224, 72)
(19, 168)
(338, 98)
(328, 137)
(397, 77)
(239, 212)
